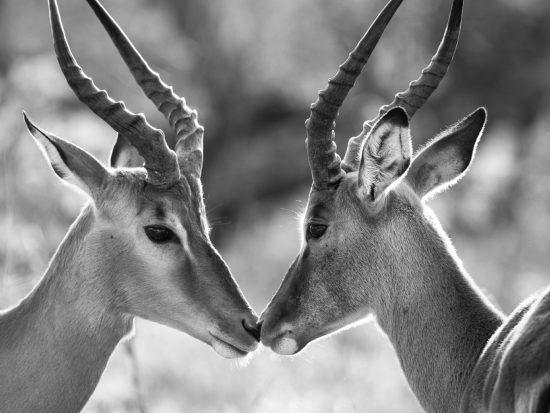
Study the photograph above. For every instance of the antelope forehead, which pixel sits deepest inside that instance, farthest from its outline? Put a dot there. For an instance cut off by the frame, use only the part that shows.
(321, 204)
(176, 198)
(175, 213)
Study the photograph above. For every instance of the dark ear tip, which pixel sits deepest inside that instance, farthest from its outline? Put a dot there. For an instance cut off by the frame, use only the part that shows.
(398, 116)
(481, 114)
(477, 118)
(30, 126)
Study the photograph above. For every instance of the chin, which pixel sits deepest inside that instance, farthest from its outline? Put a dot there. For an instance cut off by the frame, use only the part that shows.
(224, 344)
(231, 350)
(285, 346)
(227, 350)
(288, 344)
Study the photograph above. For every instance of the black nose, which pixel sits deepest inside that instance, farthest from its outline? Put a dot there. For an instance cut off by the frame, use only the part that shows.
(254, 330)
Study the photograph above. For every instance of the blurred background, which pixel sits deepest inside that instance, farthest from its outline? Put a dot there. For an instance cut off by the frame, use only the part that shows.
(252, 68)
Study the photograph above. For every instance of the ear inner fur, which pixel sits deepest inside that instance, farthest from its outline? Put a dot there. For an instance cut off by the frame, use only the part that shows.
(386, 154)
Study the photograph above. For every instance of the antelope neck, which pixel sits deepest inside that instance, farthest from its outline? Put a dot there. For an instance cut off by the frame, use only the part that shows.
(56, 342)
(438, 322)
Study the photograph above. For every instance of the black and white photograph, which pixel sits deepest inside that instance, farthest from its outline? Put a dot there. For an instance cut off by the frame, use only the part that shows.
(252, 206)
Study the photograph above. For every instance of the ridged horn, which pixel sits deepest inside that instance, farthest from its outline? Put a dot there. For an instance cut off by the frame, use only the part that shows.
(419, 90)
(160, 162)
(189, 133)
(323, 159)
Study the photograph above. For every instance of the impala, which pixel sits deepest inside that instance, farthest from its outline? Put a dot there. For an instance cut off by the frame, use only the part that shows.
(140, 247)
(370, 245)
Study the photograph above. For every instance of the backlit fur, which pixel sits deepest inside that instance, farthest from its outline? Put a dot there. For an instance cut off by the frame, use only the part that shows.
(388, 256)
(55, 343)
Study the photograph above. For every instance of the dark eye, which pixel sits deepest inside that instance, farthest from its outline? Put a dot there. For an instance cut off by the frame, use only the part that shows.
(315, 230)
(159, 234)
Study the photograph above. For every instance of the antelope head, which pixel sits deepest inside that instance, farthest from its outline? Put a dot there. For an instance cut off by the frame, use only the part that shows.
(149, 244)
(365, 224)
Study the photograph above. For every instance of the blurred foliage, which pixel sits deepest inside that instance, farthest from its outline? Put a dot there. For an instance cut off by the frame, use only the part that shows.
(252, 68)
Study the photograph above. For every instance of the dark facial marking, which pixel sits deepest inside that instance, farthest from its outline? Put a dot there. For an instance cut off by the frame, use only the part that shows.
(159, 211)
(305, 254)
(317, 211)
(543, 404)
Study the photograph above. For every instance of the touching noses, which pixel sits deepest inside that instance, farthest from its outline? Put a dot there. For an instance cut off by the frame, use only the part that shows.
(277, 334)
(281, 338)
(252, 328)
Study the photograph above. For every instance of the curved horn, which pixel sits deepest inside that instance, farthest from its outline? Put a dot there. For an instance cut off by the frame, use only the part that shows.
(419, 90)
(160, 162)
(323, 159)
(189, 132)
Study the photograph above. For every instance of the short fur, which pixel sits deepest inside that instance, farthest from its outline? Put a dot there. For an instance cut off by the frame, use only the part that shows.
(387, 255)
(55, 343)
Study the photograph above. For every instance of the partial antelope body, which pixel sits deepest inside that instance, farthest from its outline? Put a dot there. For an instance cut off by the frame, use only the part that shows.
(140, 247)
(371, 246)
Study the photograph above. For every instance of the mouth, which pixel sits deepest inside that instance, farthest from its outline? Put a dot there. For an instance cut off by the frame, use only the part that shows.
(284, 343)
(229, 350)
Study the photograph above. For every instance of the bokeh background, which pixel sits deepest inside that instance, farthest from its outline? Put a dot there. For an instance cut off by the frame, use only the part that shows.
(252, 68)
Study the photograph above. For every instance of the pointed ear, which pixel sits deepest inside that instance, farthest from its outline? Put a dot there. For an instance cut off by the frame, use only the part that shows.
(386, 154)
(69, 162)
(446, 159)
(125, 155)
